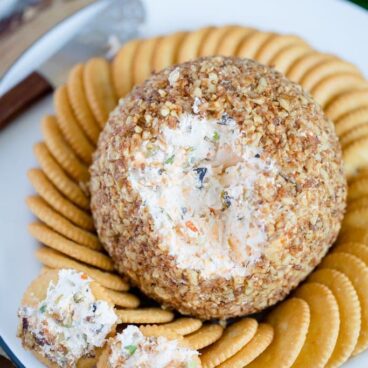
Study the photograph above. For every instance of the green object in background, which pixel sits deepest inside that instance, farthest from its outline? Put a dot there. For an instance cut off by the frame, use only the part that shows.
(362, 3)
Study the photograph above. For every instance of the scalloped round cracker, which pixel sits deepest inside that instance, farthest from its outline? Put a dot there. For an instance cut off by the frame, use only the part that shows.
(356, 249)
(60, 224)
(58, 177)
(55, 241)
(157, 331)
(363, 171)
(357, 272)
(347, 103)
(235, 337)
(352, 120)
(122, 67)
(166, 50)
(325, 69)
(354, 235)
(61, 151)
(205, 336)
(142, 64)
(349, 310)
(52, 196)
(333, 85)
(191, 44)
(354, 134)
(290, 321)
(259, 343)
(358, 187)
(37, 290)
(122, 299)
(360, 202)
(144, 315)
(324, 325)
(54, 259)
(99, 89)
(274, 44)
(212, 39)
(355, 156)
(184, 325)
(80, 105)
(305, 63)
(285, 58)
(251, 44)
(229, 43)
(69, 125)
(45, 269)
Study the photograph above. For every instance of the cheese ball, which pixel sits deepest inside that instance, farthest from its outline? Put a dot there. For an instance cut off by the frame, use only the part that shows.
(217, 186)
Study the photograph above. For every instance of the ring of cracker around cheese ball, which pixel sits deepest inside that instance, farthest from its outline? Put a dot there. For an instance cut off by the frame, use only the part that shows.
(217, 186)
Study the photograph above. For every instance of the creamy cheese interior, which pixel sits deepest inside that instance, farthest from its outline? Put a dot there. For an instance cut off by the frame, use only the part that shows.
(131, 349)
(70, 322)
(197, 181)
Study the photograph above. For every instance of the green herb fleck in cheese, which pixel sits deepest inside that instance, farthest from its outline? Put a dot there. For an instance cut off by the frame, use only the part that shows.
(131, 349)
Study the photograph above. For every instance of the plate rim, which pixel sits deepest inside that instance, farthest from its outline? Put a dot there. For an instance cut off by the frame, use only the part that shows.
(9, 354)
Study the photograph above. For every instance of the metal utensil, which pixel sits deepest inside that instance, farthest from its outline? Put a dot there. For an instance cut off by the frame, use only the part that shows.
(118, 22)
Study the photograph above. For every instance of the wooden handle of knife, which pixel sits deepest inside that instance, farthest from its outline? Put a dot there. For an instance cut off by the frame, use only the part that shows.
(24, 94)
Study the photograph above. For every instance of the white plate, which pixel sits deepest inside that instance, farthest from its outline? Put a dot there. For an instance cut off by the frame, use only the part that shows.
(332, 26)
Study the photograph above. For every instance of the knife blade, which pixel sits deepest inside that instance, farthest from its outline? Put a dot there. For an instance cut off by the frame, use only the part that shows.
(116, 22)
